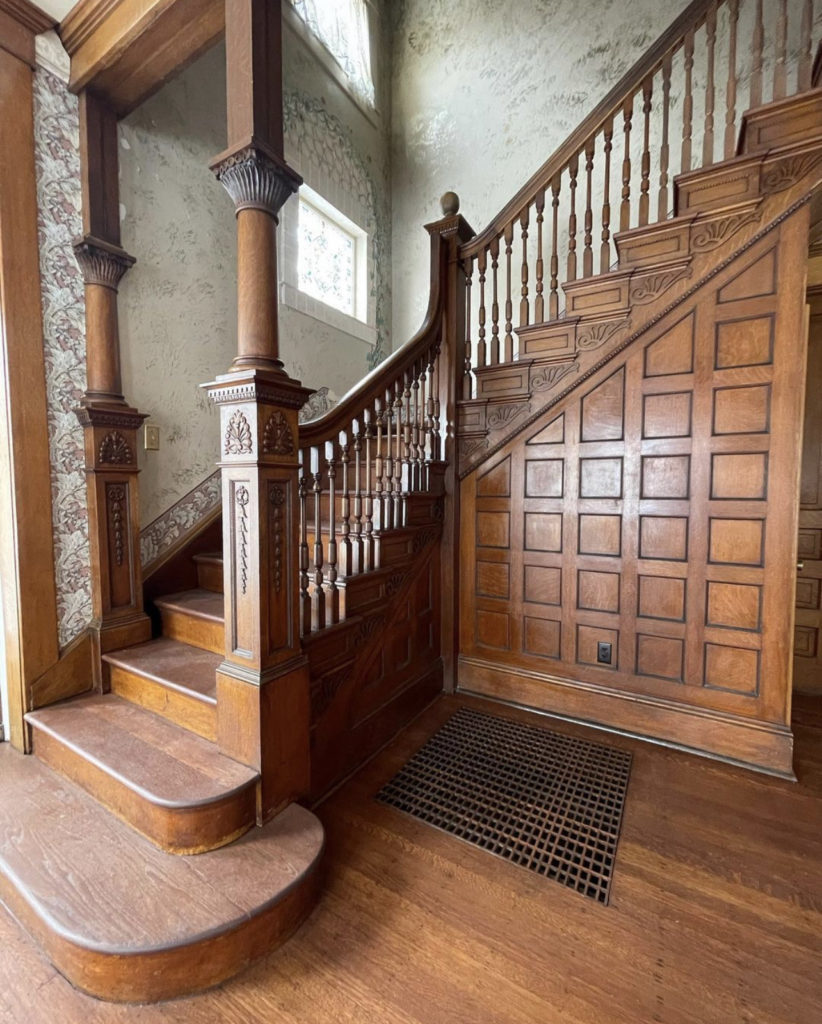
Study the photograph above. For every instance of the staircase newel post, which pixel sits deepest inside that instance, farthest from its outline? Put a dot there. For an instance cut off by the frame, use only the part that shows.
(447, 270)
(110, 424)
(262, 685)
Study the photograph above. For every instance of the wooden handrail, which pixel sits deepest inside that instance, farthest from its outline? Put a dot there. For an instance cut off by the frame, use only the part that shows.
(328, 426)
(650, 62)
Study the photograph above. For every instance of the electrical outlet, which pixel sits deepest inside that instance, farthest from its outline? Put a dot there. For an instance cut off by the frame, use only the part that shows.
(151, 438)
(603, 653)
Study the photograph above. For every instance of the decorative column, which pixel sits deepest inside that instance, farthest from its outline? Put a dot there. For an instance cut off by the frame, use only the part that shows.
(110, 425)
(263, 709)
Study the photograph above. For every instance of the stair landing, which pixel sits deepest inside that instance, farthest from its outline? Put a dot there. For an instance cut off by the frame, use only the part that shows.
(125, 922)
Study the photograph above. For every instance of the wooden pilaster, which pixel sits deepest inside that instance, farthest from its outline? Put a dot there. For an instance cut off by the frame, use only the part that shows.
(110, 425)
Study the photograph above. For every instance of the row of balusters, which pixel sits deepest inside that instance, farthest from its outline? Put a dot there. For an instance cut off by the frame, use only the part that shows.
(355, 486)
(570, 251)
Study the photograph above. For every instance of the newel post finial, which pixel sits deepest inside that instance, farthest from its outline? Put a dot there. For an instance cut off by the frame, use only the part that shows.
(450, 204)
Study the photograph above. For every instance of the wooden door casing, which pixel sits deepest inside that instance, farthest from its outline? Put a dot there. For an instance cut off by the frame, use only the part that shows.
(654, 508)
(808, 628)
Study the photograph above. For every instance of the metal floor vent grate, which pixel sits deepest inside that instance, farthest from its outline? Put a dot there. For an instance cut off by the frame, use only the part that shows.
(543, 800)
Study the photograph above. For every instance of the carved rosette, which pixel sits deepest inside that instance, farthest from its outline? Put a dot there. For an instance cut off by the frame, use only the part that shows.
(101, 263)
(256, 180)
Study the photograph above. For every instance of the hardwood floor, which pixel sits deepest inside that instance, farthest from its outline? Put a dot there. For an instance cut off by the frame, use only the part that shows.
(715, 914)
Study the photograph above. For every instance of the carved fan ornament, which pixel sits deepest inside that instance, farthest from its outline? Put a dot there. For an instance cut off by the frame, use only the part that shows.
(551, 375)
(238, 435)
(115, 450)
(277, 436)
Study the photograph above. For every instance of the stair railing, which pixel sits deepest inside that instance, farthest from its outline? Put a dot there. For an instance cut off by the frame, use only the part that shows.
(677, 109)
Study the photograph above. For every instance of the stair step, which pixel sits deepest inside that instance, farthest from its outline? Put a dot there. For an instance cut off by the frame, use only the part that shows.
(194, 617)
(210, 571)
(170, 678)
(170, 785)
(793, 120)
(124, 921)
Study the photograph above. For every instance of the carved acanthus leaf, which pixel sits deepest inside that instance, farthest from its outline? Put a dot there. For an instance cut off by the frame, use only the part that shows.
(115, 450)
(257, 181)
(116, 496)
(551, 375)
(503, 415)
(788, 172)
(238, 435)
(277, 436)
(101, 264)
(713, 233)
(651, 287)
(242, 498)
(472, 445)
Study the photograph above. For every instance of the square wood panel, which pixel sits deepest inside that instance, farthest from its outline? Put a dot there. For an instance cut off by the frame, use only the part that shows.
(660, 656)
(667, 415)
(732, 668)
(493, 529)
(493, 579)
(542, 584)
(744, 342)
(541, 637)
(492, 630)
(810, 544)
(543, 478)
(588, 637)
(661, 597)
(734, 606)
(742, 410)
(543, 531)
(598, 591)
(600, 535)
(600, 478)
(743, 476)
(666, 476)
(663, 537)
(805, 641)
(807, 593)
(736, 541)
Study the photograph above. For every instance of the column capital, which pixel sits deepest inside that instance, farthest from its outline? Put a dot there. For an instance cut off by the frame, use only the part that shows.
(101, 262)
(256, 178)
(259, 387)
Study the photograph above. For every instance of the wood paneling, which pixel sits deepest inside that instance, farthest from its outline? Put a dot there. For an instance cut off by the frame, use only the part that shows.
(652, 510)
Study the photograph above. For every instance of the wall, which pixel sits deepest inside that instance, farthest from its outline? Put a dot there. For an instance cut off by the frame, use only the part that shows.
(654, 509)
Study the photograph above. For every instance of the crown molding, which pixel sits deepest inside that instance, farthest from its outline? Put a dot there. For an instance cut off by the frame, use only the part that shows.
(82, 20)
(28, 15)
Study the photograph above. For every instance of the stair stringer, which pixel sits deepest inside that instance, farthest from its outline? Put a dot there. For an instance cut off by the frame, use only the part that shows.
(371, 673)
(785, 182)
(692, 667)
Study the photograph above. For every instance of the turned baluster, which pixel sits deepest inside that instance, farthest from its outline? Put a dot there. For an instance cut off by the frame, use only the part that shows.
(399, 446)
(416, 433)
(357, 542)
(553, 294)
(730, 98)
(494, 302)
(664, 151)
(645, 166)
(708, 139)
(688, 102)
(305, 596)
(509, 306)
(539, 302)
(332, 590)
(369, 560)
(379, 467)
(387, 521)
(625, 208)
(468, 267)
(405, 415)
(432, 428)
(805, 68)
(318, 596)
(573, 171)
(523, 302)
(757, 46)
(587, 250)
(345, 507)
(605, 247)
(482, 354)
(780, 71)
(435, 391)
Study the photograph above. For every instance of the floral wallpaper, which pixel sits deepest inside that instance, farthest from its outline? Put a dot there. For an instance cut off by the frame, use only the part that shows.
(57, 159)
(167, 529)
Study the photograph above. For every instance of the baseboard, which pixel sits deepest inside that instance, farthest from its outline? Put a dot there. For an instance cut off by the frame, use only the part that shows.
(70, 675)
(750, 743)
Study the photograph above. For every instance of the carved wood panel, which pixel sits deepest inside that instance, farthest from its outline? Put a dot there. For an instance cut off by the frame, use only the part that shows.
(650, 511)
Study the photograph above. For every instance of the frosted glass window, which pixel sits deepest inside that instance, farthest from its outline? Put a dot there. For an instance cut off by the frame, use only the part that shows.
(327, 262)
(342, 27)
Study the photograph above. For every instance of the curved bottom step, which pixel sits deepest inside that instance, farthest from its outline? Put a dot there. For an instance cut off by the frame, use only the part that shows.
(126, 922)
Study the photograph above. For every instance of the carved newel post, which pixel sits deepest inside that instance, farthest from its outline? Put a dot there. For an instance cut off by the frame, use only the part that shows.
(109, 423)
(262, 686)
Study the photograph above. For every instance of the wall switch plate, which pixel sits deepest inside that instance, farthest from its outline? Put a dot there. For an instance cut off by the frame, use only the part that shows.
(151, 438)
(603, 653)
